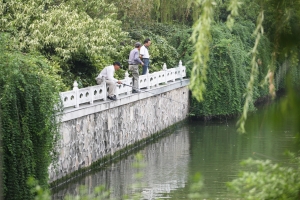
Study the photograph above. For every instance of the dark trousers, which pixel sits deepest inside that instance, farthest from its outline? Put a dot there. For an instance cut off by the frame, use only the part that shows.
(145, 66)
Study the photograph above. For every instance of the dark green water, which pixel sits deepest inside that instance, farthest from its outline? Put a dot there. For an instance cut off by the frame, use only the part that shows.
(214, 149)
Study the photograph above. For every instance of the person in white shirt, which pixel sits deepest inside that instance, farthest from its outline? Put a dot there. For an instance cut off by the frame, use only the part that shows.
(144, 53)
(107, 74)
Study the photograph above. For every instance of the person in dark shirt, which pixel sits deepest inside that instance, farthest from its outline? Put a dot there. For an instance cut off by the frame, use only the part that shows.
(134, 61)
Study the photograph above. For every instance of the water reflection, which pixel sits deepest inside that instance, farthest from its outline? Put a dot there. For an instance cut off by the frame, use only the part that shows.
(217, 150)
(214, 149)
(165, 170)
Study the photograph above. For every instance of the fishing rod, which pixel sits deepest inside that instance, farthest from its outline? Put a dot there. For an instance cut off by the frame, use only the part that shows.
(154, 94)
(185, 104)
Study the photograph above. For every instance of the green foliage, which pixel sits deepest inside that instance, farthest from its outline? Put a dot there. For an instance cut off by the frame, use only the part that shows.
(62, 28)
(229, 69)
(1, 156)
(233, 6)
(170, 43)
(133, 13)
(282, 26)
(29, 89)
(266, 57)
(170, 11)
(83, 37)
(201, 37)
(267, 180)
(160, 50)
(37, 191)
(272, 181)
(136, 13)
(177, 36)
(258, 32)
(95, 9)
(73, 34)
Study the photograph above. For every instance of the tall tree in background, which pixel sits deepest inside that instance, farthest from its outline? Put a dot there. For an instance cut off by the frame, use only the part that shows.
(135, 13)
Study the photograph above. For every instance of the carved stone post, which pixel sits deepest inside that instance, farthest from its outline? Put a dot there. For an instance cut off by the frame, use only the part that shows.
(165, 67)
(127, 82)
(165, 74)
(180, 69)
(75, 88)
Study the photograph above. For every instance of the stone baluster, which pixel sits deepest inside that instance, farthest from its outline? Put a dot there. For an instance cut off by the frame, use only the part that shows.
(165, 74)
(91, 95)
(126, 74)
(104, 89)
(127, 82)
(75, 88)
(180, 69)
(148, 79)
(165, 67)
(75, 85)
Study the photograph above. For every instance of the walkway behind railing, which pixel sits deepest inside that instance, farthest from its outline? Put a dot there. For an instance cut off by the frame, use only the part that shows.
(77, 97)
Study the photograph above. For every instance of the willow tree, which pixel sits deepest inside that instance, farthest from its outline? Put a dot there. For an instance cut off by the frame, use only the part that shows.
(168, 11)
(29, 101)
(278, 20)
(135, 13)
(282, 31)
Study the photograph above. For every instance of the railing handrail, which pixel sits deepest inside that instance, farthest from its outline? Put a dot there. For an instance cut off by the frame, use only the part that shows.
(91, 94)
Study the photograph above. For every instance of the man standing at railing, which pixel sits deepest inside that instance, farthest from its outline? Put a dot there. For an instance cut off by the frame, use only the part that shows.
(144, 53)
(134, 61)
(107, 74)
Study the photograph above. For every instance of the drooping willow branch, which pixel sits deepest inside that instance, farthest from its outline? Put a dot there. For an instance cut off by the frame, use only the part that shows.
(233, 8)
(201, 37)
(254, 70)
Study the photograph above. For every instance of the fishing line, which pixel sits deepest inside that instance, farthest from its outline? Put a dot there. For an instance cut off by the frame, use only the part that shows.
(188, 106)
(155, 94)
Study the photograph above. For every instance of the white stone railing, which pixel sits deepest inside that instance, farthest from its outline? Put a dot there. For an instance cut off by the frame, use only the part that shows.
(90, 95)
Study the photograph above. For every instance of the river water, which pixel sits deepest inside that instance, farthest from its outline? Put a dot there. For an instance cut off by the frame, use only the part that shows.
(212, 149)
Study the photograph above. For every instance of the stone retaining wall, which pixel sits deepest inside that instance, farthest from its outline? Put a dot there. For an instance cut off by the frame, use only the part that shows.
(93, 132)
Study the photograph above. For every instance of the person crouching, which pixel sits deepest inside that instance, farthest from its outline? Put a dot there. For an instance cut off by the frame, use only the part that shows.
(107, 74)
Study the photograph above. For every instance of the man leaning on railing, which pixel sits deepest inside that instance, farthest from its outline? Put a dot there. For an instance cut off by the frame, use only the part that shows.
(107, 74)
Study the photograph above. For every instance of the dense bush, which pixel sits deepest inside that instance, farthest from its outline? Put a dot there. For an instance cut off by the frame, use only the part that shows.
(160, 50)
(229, 69)
(29, 89)
(177, 36)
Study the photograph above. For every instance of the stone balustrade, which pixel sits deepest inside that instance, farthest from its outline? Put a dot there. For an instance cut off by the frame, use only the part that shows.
(89, 95)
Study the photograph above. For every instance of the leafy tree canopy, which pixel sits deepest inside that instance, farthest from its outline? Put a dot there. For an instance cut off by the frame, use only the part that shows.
(62, 28)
